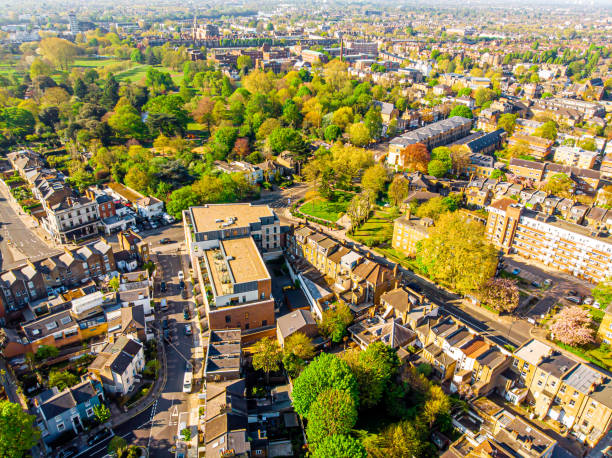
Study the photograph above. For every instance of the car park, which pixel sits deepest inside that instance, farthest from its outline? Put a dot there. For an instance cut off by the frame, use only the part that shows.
(99, 436)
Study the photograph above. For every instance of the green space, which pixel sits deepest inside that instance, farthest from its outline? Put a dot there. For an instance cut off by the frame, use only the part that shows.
(95, 63)
(324, 209)
(599, 355)
(378, 228)
(138, 72)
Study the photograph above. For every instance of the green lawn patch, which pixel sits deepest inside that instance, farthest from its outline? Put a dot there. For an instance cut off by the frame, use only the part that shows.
(133, 74)
(378, 228)
(94, 63)
(324, 209)
(598, 355)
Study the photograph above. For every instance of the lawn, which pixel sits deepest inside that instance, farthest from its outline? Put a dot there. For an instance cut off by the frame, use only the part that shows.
(324, 209)
(94, 63)
(138, 72)
(600, 356)
(377, 228)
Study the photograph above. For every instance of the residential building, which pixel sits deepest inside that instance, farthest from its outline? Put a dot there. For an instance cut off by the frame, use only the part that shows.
(71, 220)
(410, 307)
(604, 332)
(134, 244)
(574, 156)
(25, 161)
(223, 355)
(118, 365)
(388, 112)
(538, 147)
(606, 166)
(68, 410)
(481, 165)
(252, 173)
(149, 207)
(206, 225)
(483, 142)
(408, 232)
(587, 110)
(296, 321)
(362, 47)
(530, 170)
(437, 134)
(554, 242)
(377, 329)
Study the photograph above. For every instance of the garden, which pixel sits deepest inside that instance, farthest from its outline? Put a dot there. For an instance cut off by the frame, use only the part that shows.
(330, 209)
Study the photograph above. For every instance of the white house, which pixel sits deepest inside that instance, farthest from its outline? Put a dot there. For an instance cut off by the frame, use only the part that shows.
(150, 207)
(119, 364)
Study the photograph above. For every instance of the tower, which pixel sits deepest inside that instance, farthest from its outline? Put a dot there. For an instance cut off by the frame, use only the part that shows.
(74, 24)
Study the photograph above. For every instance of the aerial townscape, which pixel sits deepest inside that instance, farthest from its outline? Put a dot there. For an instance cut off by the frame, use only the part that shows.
(321, 229)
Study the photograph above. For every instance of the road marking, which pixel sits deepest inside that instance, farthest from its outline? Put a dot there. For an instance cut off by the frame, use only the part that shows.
(151, 420)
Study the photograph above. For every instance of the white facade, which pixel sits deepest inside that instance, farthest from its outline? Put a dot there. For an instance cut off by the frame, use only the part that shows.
(123, 382)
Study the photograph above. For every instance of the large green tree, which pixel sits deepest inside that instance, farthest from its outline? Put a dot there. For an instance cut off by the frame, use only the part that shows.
(333, 412)
(335, 321)
(325, 371)
(339, 446)
(267, 355)
(18, 433)
(456, 253)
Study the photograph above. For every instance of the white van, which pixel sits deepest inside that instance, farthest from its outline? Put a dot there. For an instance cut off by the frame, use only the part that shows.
(187, 381)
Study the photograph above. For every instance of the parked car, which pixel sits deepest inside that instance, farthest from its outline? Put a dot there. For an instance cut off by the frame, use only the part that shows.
(186, 314)
(572, 293)
(516, 271)
(69, 452)
(162, 287)
(167, 334)
(574, 299)
(165, 323)
(548, 282)
(153, 226)
(184, 294)
(165, 241)
(181, 275)
(164, 304)
(99, 436)
(135, 229)
(588, 300)
(188, 330)
(182, 284)
(535, 284)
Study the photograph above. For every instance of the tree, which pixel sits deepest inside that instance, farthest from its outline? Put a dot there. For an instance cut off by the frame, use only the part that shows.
(401, 439)
(500, 293)
(186, 433)
(437, 168)
(437, 206)
(339, 446)
(456, 254)
(588, 144)
(359, 208)
(40, 67)
(116, 443)
(298, 348)
(460, 158)
(113, 283)
(374, 179)
(333, 412)
(46, 352)
(335, 322)
(18, 433)
(58, 51)
(62, 380)
(102, 413)
(49, 116)
(267, 356)
(343, 117)
(483, 95)
(244, 63)
(507, 122)
(373, 121)
(415, 157)
(602, 293)
(436, 405)
(375, 369)
(461, 110)
(547, 130)
(203, 111)
(332, 133)
(126, 121)
(325, 371)
(573, 326)
(398, 189)
(287, 139)
(137, 179)
(17, 120)
(359, 134)
(292, 114)
(181, 199)
(559, 184)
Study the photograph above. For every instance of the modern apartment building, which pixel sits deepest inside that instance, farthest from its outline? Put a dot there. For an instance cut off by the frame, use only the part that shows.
(228, 244)
(558, 244)
(574, 156)
(437, 134)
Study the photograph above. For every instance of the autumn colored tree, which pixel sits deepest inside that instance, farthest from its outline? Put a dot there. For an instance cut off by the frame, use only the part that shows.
(359, 134)
(59, 51)
(573, 326)
(560, 185)
(415, 157)
(460, 158)
(241, 147)
(267, 355)
(203, 111)
(500, 293)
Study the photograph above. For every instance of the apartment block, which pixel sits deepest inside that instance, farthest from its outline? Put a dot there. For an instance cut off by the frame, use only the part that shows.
(538, 147)
(71, 219)
(555, 243)
(586, 180)
(574, 156)
(437, 134)
(408, 232)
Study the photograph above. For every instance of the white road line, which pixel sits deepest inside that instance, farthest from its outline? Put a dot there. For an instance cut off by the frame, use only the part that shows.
(151, 420)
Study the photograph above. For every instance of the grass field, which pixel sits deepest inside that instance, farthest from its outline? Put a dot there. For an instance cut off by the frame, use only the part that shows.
(324, 209)
(378, 227)
(138, 72)
(94, 63)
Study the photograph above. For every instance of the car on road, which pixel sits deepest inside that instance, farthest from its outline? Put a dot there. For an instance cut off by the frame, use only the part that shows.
(535, 284)
(162, 287)
(135, 229)
(182, 284)
(165, 323)
(164, 304)
(574, 299)
(516, 271)
(181, 275)
(69, 452)
(99, 436)
(184, 294)
(186, 314)
(547, 282)
(165, 241)
(188, 331)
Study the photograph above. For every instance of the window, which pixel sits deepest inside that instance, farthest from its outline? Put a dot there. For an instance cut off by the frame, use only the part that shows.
(61, 426)
(572, 403)
(263, 295)
(246, 316)
(540, 382)
(228, 318)
(89, 412)
(563, 388)
(575, 394)
(264, 323)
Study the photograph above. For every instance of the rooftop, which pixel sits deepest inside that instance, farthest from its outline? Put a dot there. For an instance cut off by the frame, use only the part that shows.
(533, 352)
(211, 217)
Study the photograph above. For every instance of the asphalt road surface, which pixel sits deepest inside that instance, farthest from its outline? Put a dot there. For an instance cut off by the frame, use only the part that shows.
(13, 231)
